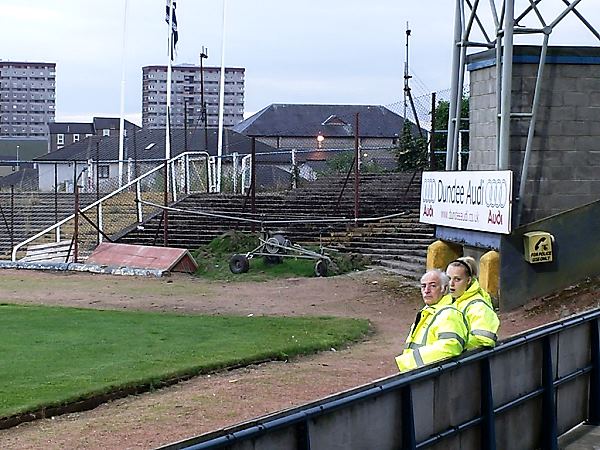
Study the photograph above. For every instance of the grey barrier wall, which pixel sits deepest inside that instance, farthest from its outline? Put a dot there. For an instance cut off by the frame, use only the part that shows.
(576, 255)
(521, 395)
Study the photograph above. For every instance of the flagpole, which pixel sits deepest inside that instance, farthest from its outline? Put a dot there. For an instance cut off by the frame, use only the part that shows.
(221, 101)
(122, 116)
(169, 68)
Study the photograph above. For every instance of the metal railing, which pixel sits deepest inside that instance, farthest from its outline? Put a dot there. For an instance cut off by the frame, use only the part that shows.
(123, 207)
(522, 394)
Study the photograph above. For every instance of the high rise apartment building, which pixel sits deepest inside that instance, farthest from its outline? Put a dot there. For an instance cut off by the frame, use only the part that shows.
(27, 98)
(186, 90)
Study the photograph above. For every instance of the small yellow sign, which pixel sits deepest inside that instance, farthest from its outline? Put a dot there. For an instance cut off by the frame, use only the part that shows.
(538, 246)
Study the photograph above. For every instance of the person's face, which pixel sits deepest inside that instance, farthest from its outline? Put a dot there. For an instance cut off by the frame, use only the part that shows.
(459, 280)
(431, 289)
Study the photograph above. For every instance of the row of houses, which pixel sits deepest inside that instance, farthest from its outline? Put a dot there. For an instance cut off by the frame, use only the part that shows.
(315, 131)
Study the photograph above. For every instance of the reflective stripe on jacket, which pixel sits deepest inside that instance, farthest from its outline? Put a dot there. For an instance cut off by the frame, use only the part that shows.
(440, 333)
(482, 320)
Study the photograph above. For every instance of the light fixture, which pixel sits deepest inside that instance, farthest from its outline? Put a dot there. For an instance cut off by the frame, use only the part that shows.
(320, 139)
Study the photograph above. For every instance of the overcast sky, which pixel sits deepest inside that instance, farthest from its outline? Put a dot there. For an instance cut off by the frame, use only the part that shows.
(310, 51)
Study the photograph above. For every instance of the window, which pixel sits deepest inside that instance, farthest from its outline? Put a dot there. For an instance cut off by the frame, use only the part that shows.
(106, 132)
(75, 138)
(60, 139)
(103, 171)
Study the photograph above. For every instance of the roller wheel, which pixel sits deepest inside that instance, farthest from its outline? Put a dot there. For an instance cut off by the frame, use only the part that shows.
(239, 264)
(273, 259)
(321, 268)
(272, 244)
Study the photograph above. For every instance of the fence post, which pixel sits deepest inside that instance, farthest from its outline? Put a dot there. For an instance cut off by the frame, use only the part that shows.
(302, 436)
(173, 184)
(187, 173)
(594, 400)
(549, 428)
(294, 170)
(138, 201)
(488, 426)
(55, 193)
(208, 174)
(12, 215)
(166, 203)
(409, 441)
(100, 224)
(356, 169)
(432, 133)
(234, 162)
(129, 169)
(76, 221)
(253, 181)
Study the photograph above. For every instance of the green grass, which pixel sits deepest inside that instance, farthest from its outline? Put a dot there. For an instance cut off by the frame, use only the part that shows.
(213, 261)
(52, 356)
(217, 268)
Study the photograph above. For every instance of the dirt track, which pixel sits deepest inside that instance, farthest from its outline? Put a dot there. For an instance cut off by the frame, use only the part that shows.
(209, 402)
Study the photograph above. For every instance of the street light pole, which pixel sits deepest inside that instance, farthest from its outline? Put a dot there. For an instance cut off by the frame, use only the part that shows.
(203, 113)
(18, 157)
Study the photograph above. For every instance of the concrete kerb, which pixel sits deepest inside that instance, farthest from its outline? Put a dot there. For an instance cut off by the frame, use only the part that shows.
(79, 267)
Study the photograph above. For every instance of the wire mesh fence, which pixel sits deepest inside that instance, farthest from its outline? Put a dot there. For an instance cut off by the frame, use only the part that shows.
(105, 207)
(36, 196)
(430, 112)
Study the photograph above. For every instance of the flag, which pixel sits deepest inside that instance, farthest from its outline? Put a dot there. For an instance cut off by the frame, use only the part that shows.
(175, 35)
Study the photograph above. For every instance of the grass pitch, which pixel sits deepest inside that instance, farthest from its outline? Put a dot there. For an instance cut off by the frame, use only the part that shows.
(53, 356)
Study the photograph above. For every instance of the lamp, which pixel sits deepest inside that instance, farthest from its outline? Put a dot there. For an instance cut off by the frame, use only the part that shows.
(320, 139)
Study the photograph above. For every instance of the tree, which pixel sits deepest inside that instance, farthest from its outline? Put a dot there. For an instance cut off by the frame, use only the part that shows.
(411, 152)
(441, 123)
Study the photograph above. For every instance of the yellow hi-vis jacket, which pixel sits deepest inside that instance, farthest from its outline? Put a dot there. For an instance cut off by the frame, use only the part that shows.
(481, 319)
(439, 332)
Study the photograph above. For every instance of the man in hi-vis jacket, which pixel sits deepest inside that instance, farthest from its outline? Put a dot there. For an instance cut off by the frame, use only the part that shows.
(439, 331)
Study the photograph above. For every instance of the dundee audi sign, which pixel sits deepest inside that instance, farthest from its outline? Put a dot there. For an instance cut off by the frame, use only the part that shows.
(474, 200)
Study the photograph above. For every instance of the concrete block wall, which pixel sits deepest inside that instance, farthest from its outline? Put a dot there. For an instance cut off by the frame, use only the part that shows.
(565, 159)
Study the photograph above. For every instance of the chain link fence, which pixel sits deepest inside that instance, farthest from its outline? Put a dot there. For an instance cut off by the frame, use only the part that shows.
(425, 107)
(37, 195)
(107, 206)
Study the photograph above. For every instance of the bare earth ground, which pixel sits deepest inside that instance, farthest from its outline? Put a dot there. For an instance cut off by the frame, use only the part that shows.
(209, 402)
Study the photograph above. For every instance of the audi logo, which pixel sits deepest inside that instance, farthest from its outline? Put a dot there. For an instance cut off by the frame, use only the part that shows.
(428, 190)
(496, 193)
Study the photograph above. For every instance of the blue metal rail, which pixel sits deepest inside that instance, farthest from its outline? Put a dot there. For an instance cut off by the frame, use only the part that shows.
(297, 422)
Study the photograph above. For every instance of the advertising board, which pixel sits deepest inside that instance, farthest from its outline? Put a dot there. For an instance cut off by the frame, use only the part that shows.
(472, 200)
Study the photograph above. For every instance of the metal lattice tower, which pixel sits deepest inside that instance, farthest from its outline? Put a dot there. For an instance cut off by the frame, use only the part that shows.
(497, 24)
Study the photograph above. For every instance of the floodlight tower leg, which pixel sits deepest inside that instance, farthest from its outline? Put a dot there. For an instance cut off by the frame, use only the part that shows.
(507, 58)
(450, 150)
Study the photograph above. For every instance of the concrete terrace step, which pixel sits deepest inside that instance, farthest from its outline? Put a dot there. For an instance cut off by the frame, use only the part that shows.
(380, 195)
(385, 246)
(411, 270)
(390, 253)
